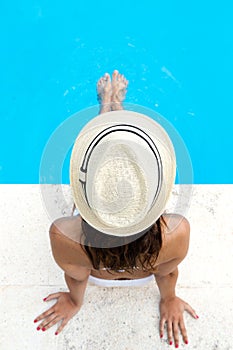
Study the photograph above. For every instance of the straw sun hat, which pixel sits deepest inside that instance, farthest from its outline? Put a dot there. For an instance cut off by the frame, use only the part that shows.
(122, 171)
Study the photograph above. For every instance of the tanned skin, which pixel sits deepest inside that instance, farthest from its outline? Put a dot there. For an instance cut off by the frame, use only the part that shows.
(65, 236)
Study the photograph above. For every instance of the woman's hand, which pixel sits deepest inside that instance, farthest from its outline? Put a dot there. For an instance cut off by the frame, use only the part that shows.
(171, 312)
(64, 310)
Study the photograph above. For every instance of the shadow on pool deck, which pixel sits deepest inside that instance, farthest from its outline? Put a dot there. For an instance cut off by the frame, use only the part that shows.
(114, 318)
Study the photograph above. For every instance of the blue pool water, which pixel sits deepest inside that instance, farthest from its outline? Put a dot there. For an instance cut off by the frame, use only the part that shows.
(177, 56)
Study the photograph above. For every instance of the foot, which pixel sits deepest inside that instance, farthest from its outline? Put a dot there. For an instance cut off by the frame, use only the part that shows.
(119, 86)
(104, 91)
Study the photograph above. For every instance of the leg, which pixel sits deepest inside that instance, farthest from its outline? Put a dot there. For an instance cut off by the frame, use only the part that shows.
(104, 90)
(110, 95)
(104, 93)
(119, 85)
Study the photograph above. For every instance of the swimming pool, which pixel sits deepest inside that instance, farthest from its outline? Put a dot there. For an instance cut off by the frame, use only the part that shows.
(177, 57)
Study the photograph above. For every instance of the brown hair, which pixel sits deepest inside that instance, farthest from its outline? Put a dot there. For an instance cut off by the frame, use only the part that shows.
(123, 252)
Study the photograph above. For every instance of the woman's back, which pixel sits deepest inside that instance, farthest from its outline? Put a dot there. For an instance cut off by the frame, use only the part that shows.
(67, 243)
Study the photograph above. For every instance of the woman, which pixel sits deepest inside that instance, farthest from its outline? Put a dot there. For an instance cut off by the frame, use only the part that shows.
(123, 243)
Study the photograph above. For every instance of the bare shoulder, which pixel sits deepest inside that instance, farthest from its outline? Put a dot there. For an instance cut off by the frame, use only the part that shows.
(176, 224)
(69, 227)
(176, 233)
(65, 238)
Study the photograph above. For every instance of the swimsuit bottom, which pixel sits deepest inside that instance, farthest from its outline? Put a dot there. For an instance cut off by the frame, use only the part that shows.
(120, 283)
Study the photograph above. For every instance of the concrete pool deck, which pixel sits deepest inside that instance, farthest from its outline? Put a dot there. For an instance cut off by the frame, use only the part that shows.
(114, 318)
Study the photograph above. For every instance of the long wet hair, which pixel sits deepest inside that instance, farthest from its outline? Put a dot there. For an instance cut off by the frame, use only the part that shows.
(123, 252)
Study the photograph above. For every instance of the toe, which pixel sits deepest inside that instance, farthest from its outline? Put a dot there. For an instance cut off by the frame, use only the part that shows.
(100, 81)
(115, 74)
(107, 76)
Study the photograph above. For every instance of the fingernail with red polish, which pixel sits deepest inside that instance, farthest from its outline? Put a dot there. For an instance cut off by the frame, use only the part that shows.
(35, 320)
(43, 329)
(56, 333)
(161, 335)
(197, 316)
(177, 345)
(186, 342)
(38, 328)
(44, 299)
(170, 343)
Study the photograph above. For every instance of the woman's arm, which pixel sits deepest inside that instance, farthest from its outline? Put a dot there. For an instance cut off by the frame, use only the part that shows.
(172, 307)
(175, 246)
(68, 304)
(167, 284)
(77, 289)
